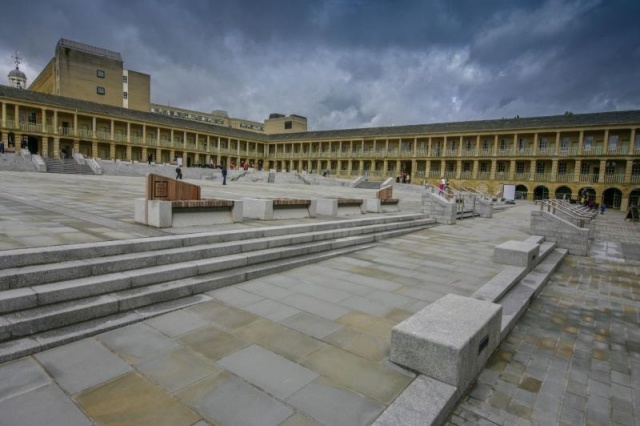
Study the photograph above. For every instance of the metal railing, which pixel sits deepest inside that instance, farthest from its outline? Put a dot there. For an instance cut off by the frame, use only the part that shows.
(577, 214)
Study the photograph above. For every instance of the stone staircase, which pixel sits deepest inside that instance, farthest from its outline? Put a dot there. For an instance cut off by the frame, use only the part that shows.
(54, 295)
(67, 165)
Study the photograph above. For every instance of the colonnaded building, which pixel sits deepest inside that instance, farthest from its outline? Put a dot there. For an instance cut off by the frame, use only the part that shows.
(84, 101)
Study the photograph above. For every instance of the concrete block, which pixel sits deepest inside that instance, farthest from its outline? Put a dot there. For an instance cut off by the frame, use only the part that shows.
(155, 213)
(257, 209)
(327, 207)
(517, 253)
(449, 340)
(372, 205)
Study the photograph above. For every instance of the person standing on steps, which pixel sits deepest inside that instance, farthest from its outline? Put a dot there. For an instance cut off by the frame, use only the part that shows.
(224, 174)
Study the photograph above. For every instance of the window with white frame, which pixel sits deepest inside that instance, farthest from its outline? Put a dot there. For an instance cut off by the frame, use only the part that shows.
(503, 144)
(520, 167)
(540, 168)
(468, 145)
(501, 167)
(613, 142)
(485, 145)
(588, 143)
(522, 143)
(564, 144)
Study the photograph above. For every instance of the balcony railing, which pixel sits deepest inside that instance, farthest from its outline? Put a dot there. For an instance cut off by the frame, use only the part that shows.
(435, 174)
(66, 131)
(593, 150)
(484, 175)
(522, 176)
(588, 178)
(614, 178)
(31, 127)
(621, 150)
(569, 151)
(565, 177)
(635, 179)
(85, 133)
(105, 136)
(542, 177)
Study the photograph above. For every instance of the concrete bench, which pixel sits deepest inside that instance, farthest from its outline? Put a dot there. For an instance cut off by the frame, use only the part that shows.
(450, 340)
(279, 208)
(181, 213)
(340, 206)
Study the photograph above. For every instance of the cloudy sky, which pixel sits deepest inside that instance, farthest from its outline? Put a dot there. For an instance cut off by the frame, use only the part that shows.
(353, 63)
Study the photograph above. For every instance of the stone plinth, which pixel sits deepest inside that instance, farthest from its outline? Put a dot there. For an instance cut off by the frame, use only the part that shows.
(517, 253)
(449, 340)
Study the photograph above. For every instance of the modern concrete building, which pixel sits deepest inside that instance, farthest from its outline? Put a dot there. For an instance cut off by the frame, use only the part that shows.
(545, 157)
(90, 73)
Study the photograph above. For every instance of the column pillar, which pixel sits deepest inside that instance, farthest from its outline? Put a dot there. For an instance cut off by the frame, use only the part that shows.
(4, 114)
(554, 170)
(581, 142)
(512, 170)
(577, 171)
(603, 165)
(94, 148)
(112, 150)
(459, 167)
(534, 170)
(474, 173)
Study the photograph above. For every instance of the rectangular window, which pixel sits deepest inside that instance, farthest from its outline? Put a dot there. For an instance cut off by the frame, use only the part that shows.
(635, 168)
(638, 141)
(584, 169)
(100, 73)
(483, 167)
(564, 144)
(562, 168)
(520, 167)
(522, 143)
(540, 168)
(452, 146)
(288, 124)
(485, 145)
(100, 90)
(125, 79)
(501, 167)
(503, 144)
(468, 143)
(125, 95)
(542, 144)
(613, 142)
(32, 118)
(466, 166)
(588, 143)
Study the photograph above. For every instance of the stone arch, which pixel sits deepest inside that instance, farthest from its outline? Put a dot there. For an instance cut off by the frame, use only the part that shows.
(563, 192)
(541, 192)
(588, 192)
(521, 192)
(612, 198)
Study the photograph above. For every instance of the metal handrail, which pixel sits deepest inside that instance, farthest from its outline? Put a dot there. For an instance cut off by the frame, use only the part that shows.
(580, 219)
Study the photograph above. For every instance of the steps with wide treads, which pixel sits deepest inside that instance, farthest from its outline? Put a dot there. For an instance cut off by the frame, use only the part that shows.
(53, 295)
(67, 165)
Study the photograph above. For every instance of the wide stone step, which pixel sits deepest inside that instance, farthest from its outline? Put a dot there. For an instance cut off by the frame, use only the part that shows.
(56, 254)
(40, 328)
(14, 278)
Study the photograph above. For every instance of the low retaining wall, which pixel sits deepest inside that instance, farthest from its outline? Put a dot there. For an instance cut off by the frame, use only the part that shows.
(565, 234)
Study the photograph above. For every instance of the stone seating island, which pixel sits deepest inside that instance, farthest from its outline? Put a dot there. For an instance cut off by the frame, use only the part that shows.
(171, 203)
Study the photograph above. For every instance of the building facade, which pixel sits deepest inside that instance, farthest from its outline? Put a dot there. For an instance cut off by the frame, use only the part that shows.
(90, 73)
(84, 101)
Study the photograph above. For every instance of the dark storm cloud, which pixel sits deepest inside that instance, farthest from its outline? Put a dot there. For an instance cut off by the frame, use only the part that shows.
(354, 63)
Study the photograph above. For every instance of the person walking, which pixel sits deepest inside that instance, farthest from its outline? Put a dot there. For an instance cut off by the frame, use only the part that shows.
(224, 174)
